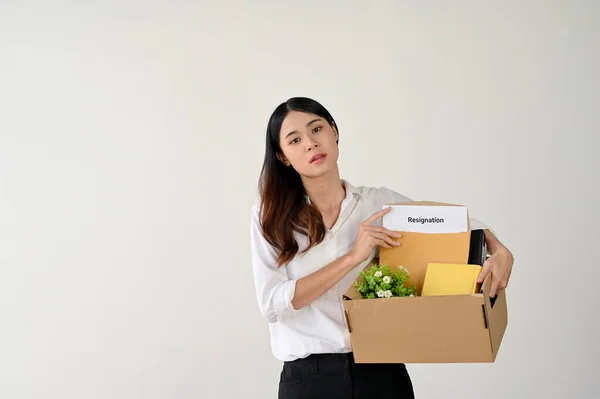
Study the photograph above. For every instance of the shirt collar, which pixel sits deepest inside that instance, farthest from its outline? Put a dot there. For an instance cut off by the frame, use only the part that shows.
(350, 191)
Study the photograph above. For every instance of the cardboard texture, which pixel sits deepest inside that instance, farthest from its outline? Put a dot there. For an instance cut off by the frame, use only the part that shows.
(466, 328)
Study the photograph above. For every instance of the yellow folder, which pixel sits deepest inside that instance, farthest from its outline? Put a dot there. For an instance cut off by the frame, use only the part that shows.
(451, 279)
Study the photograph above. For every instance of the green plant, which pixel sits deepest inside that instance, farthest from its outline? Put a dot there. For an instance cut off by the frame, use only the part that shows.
(379, 281)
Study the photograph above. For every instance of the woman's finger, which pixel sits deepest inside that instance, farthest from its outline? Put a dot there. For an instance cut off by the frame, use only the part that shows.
(383, 230)
(382, 243)
(376, 216)
(487, 266)
(495, 284)
(384, 237)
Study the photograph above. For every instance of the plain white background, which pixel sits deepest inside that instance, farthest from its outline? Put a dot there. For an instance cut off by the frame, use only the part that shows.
(131, 138)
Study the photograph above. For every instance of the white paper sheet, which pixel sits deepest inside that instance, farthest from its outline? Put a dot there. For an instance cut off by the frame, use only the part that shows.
(426, 219)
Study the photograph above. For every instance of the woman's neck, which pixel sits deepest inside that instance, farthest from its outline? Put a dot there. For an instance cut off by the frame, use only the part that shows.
(325, 192)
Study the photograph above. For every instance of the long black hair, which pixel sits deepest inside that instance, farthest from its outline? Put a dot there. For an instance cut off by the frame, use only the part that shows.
(284, 209)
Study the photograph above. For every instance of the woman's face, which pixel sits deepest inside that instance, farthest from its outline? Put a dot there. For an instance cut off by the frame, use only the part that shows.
(308, 143)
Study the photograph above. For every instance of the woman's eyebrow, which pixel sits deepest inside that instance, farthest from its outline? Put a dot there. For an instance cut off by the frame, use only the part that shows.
(307, 125)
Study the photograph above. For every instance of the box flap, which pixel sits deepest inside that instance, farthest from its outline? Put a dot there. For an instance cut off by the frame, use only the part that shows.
(352, 293)
(496, 314)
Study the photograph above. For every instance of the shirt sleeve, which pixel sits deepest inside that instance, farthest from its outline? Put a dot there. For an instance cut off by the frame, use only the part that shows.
(391, 196)
(478, 225)
(274, 290)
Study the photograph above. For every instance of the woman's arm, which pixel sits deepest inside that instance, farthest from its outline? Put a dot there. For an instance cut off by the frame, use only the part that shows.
(274, 289)
(499, 263)
(368, 237)
(279, 297)
(316, 284)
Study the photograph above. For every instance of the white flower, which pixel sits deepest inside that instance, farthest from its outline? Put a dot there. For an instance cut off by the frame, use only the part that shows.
(378, 273)
(403, 268)
(388, 294)
(387, 279)
(380, 293)
(411, 295)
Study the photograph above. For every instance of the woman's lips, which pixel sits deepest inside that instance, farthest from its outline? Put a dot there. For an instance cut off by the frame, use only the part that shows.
(318, 158)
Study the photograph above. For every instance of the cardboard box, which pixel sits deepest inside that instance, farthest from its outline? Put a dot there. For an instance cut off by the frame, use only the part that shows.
(431, 329)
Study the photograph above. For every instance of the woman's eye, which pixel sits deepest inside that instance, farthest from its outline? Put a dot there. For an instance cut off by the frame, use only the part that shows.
(315, 130)
(294, 140)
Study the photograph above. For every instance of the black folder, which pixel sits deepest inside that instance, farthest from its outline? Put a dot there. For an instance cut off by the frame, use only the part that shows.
(477, 248)
(478, 252)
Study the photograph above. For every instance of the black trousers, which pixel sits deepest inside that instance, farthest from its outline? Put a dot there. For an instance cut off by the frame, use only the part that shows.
(337, 376)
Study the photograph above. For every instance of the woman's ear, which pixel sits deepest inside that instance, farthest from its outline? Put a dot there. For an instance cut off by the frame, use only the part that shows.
(337, 134)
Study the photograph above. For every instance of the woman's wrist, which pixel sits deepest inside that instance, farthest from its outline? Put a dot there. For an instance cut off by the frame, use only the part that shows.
(349, 261)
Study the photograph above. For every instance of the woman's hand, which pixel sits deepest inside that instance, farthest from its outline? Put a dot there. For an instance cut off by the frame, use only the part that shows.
(369, 236)
(499, 264)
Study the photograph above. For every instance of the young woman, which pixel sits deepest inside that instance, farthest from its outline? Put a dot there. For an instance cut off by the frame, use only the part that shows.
(311, 234)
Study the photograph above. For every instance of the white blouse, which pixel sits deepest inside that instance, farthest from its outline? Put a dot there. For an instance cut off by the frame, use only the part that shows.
(319, 327)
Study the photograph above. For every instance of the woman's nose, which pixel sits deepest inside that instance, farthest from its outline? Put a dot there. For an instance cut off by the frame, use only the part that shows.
(310, 143)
